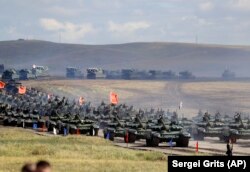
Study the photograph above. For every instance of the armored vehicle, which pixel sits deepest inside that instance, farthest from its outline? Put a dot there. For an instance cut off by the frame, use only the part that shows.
(130, 130)
(10, 74)
(130, 74)
(72, 72)
(215, 127)
(243, 128)
(25, 74)
(77, 125)
(40, 71)
(113, 74)
(161, 132)
(73, 123)
(136, 129)
(115, 128)
(95, 73)
(158, 74)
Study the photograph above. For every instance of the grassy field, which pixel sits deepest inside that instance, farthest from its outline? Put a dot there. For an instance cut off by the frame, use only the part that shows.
(224, 96)
(73, 153)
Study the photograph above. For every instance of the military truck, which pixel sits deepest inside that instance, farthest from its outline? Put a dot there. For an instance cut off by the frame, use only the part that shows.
(130, 74)
(10, 74)
(159, 75)
(25, 74)
(40, 71)
(72, 72)
(95, 73)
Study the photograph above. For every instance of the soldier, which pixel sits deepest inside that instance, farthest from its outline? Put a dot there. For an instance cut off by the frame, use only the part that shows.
(43, 166)
(206, 117)
(229, 149)
(28, 168)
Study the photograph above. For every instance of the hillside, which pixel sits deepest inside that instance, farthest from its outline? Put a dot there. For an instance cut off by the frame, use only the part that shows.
(202, 60)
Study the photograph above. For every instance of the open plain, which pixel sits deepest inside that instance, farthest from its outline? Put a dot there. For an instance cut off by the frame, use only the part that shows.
(227, 97)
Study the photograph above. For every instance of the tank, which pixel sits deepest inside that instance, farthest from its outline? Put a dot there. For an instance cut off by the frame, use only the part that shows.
(10, 74)
(72, 72)
(242, 127)
(40, 71)
(213, 127)
(161, 132)
(25, 74)
(136, 129)
(82, 126)
(95, 73)
(114, 128)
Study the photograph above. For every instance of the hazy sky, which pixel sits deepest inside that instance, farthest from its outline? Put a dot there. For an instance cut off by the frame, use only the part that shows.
(119, 21)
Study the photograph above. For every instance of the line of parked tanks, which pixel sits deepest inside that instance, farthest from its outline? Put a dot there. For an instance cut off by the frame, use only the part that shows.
(50, 112)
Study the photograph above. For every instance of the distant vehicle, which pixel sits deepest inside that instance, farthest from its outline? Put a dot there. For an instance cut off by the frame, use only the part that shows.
(72, 72)
(126, 73)
(1, 68)
(10, 74)
(186, 75)
(95, 73)
(115, 74)
(25, 74)
(40, 71)
(135, 74)
(158, 74)
(227, 74)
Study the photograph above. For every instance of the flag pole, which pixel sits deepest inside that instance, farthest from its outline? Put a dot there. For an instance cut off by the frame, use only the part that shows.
(197, 147)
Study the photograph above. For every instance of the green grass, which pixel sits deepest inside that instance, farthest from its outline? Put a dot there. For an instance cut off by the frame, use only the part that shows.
(73, 153)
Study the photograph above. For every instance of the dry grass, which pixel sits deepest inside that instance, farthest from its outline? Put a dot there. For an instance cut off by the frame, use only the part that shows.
(145, 94)
(73, 153)
(226, 97)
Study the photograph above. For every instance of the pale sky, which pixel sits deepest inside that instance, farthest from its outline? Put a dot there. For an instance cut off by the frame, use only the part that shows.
(120, 21)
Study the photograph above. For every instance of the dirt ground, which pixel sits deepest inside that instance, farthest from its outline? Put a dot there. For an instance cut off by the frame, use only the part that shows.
(223, 96)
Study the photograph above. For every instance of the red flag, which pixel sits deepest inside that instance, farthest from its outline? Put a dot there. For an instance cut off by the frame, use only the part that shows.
(113, 98)
(197, 146)
(22, 90)
(126, 137)
(2, 84)
(78, 131)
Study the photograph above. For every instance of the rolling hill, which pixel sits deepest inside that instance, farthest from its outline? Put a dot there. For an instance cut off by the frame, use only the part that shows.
(201, 59)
